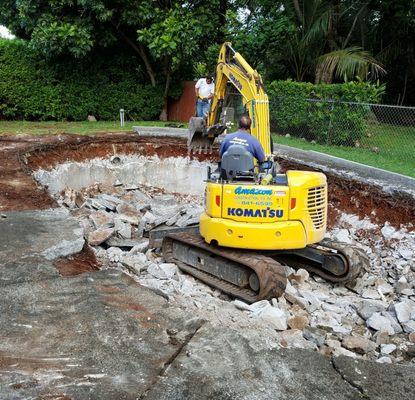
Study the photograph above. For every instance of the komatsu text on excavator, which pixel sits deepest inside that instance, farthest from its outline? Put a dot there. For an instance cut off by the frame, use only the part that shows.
(256, 219)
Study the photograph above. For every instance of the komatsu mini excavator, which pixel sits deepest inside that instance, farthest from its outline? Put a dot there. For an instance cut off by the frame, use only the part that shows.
(256, 220)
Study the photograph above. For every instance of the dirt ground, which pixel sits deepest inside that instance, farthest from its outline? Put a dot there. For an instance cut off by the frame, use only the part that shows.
(22, 155)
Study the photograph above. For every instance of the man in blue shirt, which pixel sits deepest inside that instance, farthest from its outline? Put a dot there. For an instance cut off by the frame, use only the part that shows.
(242, 137)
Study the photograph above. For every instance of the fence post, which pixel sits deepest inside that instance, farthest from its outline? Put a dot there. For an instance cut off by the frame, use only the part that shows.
(330, 124)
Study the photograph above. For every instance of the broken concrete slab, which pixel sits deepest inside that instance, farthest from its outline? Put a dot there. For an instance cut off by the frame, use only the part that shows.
(377, 381)
(156, 235)
(26, 270)
(213, 365)
(379, 322)
(122, 229)
(102, 219)
(140, 244)
(98, 335)
(100, 236)
(358, 344)
(50, 233)
(405, 310)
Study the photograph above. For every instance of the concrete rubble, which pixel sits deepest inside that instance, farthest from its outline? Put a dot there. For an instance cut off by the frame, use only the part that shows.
(371, 318)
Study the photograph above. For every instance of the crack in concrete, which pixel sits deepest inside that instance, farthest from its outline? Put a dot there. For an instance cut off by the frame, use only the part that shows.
(350, 382)
(170, 361)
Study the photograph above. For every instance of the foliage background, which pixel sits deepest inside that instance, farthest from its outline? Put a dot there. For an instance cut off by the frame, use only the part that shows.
(33, 89)
(75, 57)
(334, 114)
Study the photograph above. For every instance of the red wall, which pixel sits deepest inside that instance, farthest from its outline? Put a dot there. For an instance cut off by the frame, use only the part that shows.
(185, 107)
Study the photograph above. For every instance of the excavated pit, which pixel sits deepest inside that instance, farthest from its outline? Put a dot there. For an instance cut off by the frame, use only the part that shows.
(171, 174)
(145, 176)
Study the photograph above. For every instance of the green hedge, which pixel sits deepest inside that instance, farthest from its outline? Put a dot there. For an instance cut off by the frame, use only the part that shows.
(33, 89)
(329, 114)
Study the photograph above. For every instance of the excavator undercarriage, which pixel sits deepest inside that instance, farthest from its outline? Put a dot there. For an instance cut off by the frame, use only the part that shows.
(251, 275)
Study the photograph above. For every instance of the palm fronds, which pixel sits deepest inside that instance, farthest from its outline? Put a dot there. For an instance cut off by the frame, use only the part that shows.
(349, 63)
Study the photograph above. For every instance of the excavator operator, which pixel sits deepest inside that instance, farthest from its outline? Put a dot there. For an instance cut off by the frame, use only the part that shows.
(243, 137)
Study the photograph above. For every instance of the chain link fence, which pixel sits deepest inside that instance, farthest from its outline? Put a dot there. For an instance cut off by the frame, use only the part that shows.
(379, 135)
(374, 134)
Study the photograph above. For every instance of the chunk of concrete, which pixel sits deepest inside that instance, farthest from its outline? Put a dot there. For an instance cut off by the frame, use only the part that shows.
(368, 307)
(359, 344)
(123, 229)
(298, 322)
(300, 276)
(64, 248)
(387, 348)
(48, 233)
(99, 236)
(380, 323)
(343, 236)
(293, 338)
(274, 317)
(242, 305)
(102, 219)
(405, 310)
(134, 262)
(315, 335)
(393, 321)
(162, 271)
(409, 326)
(141, 244)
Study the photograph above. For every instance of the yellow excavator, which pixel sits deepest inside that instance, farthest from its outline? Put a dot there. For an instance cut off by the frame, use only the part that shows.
(256, 219)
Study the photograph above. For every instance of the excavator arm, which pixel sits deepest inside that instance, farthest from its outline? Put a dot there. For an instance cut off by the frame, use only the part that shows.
(233, 68)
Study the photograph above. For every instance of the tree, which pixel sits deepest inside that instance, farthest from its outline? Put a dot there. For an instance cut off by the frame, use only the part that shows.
(310, 39)
(174, 35)
(326, 27)
(390, 34)
(165, 34)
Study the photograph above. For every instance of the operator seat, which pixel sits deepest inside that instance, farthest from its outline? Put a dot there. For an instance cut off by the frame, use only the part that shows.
(237, 164)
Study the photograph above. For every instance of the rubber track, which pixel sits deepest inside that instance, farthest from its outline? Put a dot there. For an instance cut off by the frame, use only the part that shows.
(271, 273)
(356, 261)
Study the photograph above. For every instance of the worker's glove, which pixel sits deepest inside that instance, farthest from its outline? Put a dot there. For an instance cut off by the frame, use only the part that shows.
(266, 166)
(205, 100)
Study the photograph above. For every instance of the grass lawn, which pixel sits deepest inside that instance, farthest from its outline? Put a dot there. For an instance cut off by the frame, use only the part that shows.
(80, 128)
(396, 146)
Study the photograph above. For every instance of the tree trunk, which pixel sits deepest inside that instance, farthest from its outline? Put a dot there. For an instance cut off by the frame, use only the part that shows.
(164, 112)
(323, 75)
(223, 8)
(298, 11)
(140, 50)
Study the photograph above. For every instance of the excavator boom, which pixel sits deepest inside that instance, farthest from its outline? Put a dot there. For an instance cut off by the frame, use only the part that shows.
(233, 69)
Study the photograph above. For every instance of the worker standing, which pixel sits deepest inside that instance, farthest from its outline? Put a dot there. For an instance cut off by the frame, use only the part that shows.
(205, 88)
(243, 137)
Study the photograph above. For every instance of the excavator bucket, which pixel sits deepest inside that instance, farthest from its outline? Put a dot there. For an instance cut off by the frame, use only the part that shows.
(198, 139)
(201, 138)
